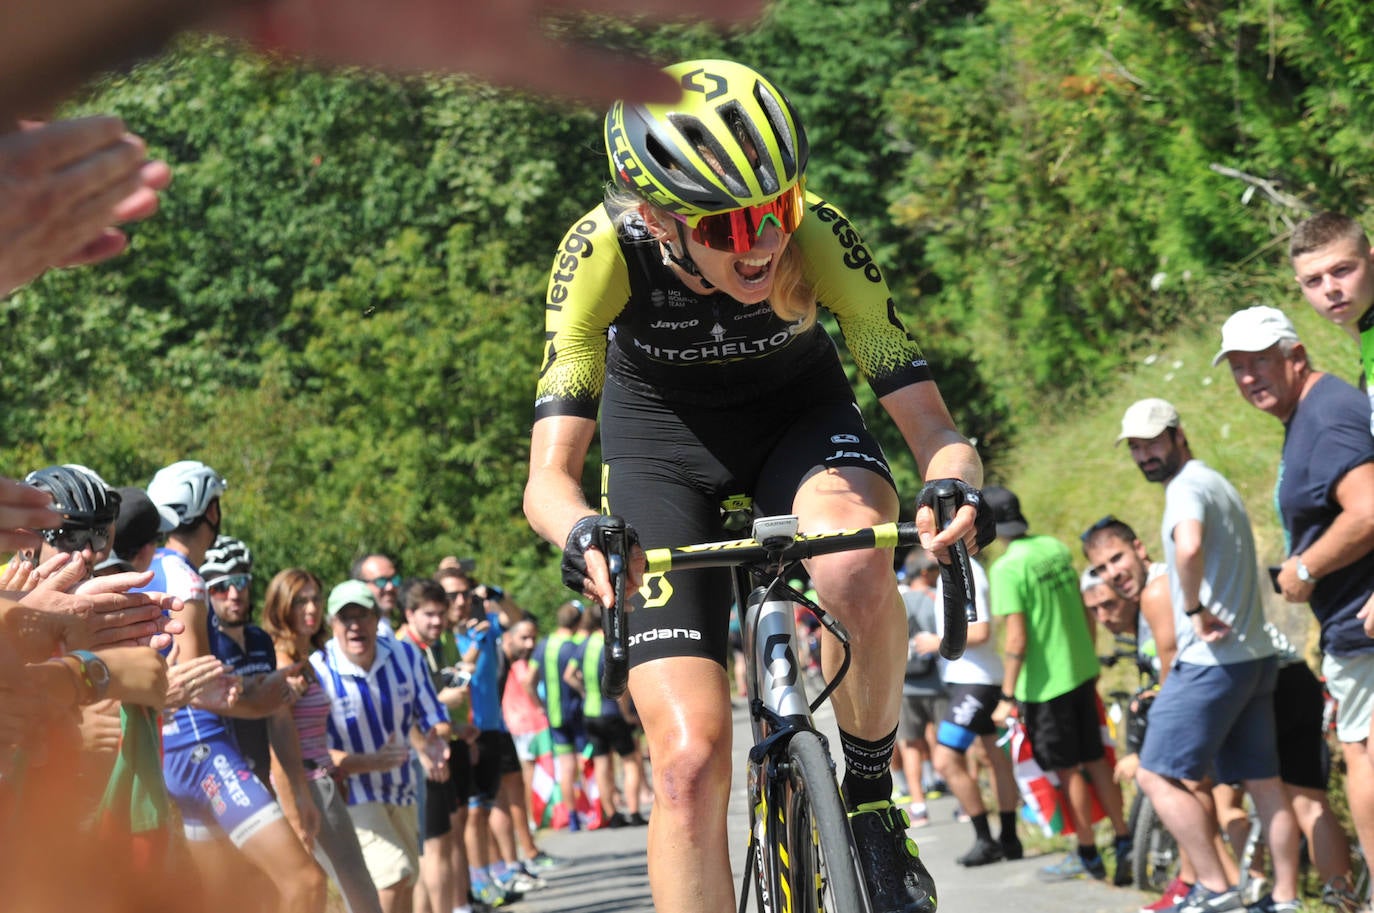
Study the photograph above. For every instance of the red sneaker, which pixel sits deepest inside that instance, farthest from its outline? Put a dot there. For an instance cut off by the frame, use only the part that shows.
(1173, 893)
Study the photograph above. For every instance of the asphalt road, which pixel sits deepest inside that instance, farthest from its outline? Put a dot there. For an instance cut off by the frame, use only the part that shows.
(607, 871)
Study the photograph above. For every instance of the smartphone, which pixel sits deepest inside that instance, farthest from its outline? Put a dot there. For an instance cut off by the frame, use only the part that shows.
(1274, 576)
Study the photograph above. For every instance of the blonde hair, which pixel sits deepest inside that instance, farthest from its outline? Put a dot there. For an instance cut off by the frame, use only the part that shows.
(793, 299)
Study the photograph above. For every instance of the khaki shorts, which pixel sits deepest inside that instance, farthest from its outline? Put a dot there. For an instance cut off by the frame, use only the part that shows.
(389, 836)
(1350, 679)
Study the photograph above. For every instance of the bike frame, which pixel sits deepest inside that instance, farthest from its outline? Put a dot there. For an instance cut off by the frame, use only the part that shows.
(779, 707)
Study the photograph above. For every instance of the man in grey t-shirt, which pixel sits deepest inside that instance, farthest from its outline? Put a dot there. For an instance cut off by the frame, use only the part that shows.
(1214, 716)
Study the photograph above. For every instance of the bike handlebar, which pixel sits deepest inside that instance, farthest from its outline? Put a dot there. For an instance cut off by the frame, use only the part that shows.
(615, 674)
(957, 577)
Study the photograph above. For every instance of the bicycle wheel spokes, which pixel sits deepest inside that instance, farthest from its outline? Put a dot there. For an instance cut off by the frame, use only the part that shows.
(816, 847)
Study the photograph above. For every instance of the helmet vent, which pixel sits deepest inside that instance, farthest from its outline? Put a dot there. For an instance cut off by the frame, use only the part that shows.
(752, 145)
(712, 152)
(782, 132)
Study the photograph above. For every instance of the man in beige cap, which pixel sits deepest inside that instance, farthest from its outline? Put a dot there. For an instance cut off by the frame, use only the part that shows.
(1214, 715)
(1326, 501)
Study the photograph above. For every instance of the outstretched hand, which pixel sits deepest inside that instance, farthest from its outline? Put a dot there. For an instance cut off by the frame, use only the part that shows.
(22, 507)
(65, 187)
(63, 611)
(508, 43)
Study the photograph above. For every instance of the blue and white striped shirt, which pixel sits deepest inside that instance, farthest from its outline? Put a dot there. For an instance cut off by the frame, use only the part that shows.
(369, 708)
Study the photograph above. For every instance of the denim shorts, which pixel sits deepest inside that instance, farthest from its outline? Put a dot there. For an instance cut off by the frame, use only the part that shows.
(1215, 721)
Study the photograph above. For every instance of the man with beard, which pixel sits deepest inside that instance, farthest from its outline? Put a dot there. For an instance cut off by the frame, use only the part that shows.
(1215, 712)
(249, 653)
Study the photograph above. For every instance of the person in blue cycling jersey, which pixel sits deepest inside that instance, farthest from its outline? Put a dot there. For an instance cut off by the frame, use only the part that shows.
(222, 803)
(683, 310)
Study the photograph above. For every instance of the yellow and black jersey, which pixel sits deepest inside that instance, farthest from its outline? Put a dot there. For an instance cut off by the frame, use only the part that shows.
(614, 309)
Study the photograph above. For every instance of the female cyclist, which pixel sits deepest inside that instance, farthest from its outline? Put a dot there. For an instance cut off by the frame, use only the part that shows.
(685, 307)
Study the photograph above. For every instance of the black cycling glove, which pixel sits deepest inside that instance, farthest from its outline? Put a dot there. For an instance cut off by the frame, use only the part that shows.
(984, 525)
(590, 533)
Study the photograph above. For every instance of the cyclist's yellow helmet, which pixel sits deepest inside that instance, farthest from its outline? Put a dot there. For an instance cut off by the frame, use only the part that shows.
(732, 140)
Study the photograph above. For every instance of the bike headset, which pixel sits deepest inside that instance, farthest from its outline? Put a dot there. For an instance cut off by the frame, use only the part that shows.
(187, 487)
(732, 142)
(79, 494)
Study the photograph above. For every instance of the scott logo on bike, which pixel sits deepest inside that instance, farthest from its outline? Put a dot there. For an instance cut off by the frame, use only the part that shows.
(778, 649)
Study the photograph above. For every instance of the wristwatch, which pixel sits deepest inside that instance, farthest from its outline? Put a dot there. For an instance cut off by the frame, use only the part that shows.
(94, 674)
(1304, 574)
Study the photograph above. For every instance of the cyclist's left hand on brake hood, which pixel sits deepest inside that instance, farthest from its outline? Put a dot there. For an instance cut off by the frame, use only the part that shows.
(585, 567)
(973, 521)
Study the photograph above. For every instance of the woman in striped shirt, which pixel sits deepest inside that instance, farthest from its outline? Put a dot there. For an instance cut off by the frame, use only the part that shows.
(294, 616)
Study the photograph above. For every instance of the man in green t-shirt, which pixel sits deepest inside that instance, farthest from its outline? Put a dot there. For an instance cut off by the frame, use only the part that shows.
(1050, 668)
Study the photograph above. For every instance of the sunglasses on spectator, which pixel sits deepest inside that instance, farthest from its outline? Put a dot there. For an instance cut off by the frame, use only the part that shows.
(76, 539)
(1105, 522)
(737, 230)
(239, 582)
(455, 595)
(381, 582)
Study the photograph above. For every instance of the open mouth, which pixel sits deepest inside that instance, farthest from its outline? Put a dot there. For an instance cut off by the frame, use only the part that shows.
(753, 270)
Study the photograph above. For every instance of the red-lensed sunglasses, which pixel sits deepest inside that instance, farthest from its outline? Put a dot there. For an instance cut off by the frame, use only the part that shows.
(737, 230)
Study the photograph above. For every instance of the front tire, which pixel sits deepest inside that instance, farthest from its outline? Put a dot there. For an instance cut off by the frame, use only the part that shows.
(822, 871)
(1156, 860)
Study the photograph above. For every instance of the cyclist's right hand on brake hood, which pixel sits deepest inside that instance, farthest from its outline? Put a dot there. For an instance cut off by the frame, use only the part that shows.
(973, 520)
(585, 569)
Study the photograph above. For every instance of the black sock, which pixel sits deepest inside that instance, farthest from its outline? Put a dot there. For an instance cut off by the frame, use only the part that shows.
(1008, 831)
(980, 826)
(867, 768)
(1088, 853)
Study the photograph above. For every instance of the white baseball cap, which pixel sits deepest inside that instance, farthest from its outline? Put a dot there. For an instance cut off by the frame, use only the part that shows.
(1254, 330)
(1147, 418)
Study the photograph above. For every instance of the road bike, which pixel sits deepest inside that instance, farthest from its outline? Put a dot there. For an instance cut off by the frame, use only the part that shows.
(801, 854)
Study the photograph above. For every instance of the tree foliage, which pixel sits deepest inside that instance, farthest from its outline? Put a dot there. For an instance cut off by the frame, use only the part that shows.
(340, 305)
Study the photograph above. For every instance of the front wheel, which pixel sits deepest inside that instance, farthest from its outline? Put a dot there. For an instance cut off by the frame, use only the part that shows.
(821, 868)
(1156, 860)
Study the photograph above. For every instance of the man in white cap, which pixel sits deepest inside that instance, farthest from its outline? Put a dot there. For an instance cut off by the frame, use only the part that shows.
(1326, 501)
(379, 689)
(1214, 715)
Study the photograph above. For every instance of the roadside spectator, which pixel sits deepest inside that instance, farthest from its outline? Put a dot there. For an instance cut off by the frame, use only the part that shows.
(974, 686)
(1051, 669)
(1334, 266)
(609, 726)
(139, 529)
(379, 573)
(1215, 712)
(89, 508)
(491, 830)
(293, 615)
(923, 691)
(522, 709)
(554, 666)
(219, 796)
(426, 604)
(379, 688)
(1326, 502)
